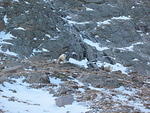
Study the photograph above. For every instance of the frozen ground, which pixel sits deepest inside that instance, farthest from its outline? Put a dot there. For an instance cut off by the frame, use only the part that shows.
(40, 96)
(18, 97)
(4, 37)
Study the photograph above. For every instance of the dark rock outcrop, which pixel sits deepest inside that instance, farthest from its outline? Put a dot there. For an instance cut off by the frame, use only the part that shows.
(50, 28)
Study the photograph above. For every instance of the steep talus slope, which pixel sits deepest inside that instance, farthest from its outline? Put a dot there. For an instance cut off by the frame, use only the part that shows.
(118, 28)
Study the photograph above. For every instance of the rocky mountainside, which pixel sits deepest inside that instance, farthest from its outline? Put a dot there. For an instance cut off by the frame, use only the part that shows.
(107, 66)
(115, 31)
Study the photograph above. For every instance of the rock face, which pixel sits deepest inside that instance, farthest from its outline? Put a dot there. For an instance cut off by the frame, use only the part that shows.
(51, 28)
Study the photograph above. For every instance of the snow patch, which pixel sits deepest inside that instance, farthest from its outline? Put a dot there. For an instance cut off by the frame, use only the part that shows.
(20, 28)
(47, 35)
(121, 18)
(82, 63)
(108, 41)
(89, 9)
(139, 31)
(40, 51)
(128, 91)
(77, 81)
(53, 38)
(96, 45)
(132, 7)
(47, 1)
(8, 43)
(135, 59)
(3, 40)
(115, 67)
(75, 22)
(8, 52)
(56, 81)
(34, 38)
(68, 17)
(79, 23)
(37, 51)
(106, 22)
(45, 50)
(5, 19)
(123, 96)
(111, 5)
(27, 11)
(15, 0)
(6, 36)
(130, 48)
(27, 2)
(18, 97)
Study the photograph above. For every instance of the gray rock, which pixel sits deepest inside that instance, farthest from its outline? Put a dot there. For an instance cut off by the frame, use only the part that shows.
(102, 81)
(13, 69)
(2, 25)
(64, 100)
(38, 78)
